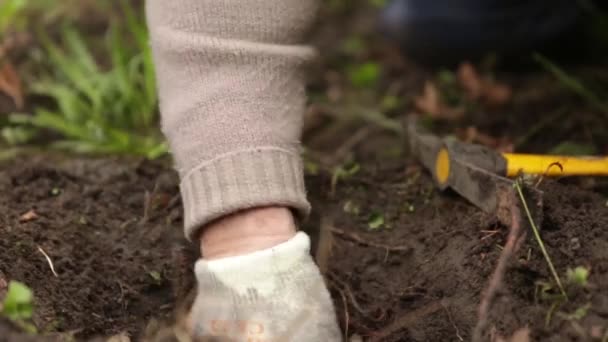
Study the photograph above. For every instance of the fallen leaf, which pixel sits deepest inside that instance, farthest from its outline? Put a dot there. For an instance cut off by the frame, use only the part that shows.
(481, 88)
(429, 100)
(29, 216)
(497, 94)
(469, 79)
(596, 332)
(10, 84)
(473, 135)
(430, 103)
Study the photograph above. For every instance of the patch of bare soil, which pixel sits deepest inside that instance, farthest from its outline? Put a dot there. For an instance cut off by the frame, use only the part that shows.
(112, 229)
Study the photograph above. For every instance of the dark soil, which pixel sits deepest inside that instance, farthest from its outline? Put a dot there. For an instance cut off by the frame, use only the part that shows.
(111, 229)
(452, 257)
(407, 263)
(106, 247)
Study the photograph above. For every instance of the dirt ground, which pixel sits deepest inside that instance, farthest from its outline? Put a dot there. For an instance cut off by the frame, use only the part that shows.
(112, 228)
(403, 261)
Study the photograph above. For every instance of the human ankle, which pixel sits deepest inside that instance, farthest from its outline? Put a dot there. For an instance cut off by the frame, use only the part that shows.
(247, 231)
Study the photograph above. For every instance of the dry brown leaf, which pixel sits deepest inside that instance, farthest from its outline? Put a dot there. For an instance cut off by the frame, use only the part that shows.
(596, 332)
(473, 135)
(29, 216)
(429, 100)
(497, 94)
(430, 103)
(469, 79)
(10, 84)
(481, 88)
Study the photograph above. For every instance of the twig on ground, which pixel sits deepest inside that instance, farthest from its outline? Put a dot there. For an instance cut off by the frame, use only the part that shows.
(364, 114)
(148, 198)
(346, 317)
(447, 310)
(325, 245)
(516, 235)
(356, 238)
(343, 286)
(48, 259)
(406, 320)
(489, 233)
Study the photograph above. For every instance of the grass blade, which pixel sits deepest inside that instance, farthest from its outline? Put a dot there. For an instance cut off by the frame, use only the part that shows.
(540, 240)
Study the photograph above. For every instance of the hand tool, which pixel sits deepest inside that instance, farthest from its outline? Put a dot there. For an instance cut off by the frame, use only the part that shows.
(479, 173)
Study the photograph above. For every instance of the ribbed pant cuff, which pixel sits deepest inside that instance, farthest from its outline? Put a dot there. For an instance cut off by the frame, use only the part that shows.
(242, 180)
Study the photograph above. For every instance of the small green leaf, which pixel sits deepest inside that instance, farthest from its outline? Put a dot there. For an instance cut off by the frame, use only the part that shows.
(376, 220)
(311, 167)
(446, 77)
(353, 45)
(578, 276)
(18, 303)
(364, 75)
(581, 312)
(155, 275)
(389, 102)
(350, 207)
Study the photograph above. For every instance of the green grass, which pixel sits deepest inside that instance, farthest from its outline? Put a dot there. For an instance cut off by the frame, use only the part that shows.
(574, 85)
(18, 15)
(98, 109)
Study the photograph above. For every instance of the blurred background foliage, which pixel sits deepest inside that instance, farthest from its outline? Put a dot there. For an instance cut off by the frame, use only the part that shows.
(92, 83)
(77, 75)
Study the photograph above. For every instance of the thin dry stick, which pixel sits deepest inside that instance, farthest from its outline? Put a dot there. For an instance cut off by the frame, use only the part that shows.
(356, 238)
(325, 245)
(447, 310)
(48, 259)
(346, 316)
(513, 242)
(346, 288)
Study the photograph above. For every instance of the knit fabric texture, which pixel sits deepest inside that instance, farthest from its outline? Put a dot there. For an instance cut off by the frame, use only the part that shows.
(232, 94)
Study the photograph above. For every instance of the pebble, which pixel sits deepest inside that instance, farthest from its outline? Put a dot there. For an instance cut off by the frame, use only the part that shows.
(575, 244)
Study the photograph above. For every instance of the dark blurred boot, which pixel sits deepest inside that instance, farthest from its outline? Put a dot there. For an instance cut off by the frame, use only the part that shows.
(448, 31)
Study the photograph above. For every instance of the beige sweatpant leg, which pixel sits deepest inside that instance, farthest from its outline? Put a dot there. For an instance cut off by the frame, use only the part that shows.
(231, 82)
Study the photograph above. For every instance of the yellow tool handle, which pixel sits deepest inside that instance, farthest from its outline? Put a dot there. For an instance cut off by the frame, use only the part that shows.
(550, 165)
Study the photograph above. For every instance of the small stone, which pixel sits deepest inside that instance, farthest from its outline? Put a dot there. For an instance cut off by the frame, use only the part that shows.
(29, 216)
(575, 244)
